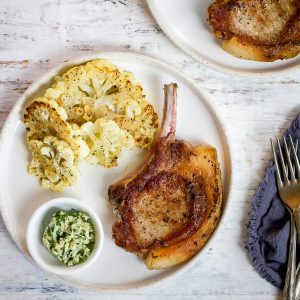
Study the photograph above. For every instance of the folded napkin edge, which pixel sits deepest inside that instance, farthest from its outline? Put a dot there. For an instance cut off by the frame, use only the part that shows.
(253, 237)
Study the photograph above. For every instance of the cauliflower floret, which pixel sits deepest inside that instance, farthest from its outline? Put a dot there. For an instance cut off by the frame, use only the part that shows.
(45, 117)
(82, 150)
(98, 89)
(54, 163)
(78, 89)
(142, 127)
(57, 90)
(106, 142)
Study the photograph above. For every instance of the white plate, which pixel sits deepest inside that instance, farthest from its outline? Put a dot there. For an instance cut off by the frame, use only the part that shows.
(21, 193)
(185, 23)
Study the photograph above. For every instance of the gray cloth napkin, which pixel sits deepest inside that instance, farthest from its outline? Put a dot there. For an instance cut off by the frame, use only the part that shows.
(269, 226)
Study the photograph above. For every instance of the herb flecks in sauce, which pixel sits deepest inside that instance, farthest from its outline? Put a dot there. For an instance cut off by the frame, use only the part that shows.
(70, 236)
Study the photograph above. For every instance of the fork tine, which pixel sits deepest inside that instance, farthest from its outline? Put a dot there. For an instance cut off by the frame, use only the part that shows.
(278, 176)
(294, 167)
(285, 174)
(290, 167)
(293, 149)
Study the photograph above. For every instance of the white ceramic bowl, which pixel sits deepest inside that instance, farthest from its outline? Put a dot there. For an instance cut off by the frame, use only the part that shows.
(37, 224)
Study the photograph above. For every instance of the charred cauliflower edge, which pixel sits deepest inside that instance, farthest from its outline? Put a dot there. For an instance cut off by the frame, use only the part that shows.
(93, 111)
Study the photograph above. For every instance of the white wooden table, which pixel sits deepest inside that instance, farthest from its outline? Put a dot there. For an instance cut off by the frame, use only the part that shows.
(37, 35)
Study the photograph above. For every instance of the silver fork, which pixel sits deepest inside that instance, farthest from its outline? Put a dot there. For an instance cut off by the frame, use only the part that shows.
(289, 191)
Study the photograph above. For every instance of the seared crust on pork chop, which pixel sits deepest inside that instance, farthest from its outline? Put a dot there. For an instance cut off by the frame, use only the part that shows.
(261, 30)
(169, 208)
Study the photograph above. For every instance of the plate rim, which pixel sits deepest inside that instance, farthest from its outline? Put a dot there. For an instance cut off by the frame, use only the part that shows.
(205, 61)
(136, 57)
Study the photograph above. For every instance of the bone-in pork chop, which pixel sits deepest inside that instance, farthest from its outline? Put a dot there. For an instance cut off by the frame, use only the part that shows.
(261, 30)
(170, 206)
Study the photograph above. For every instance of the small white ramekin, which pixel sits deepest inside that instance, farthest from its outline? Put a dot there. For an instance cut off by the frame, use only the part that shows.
(37, 224)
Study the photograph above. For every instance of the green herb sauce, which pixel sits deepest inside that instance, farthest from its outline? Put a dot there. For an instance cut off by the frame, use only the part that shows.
(70, 236)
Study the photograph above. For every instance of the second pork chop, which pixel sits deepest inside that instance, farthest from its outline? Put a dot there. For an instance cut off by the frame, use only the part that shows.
(261, 30)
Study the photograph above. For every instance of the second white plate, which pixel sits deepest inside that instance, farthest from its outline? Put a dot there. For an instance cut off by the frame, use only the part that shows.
(21, 194)
(185, 23)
